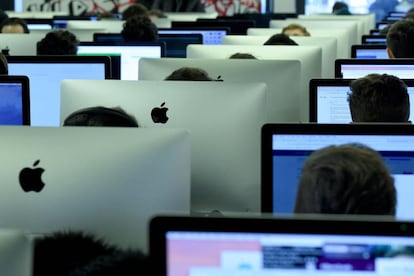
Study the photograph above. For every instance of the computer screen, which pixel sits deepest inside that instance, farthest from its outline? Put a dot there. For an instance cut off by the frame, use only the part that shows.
(357, 68)
(236, 26)
(285, 147)
(366, 51)
(328, 100)
(46, 73)
(212, 35)
(129, 54)
(294, 246)
(15, 100)
(374, 39)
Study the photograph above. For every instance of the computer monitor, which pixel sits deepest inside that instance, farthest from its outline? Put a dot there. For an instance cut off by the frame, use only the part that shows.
(280, 246)
(357, 68)
(100, 180)
(382, 25)
(309, 56)
(366, 51)
(128, 54)
(175, 44)
(20, 44)
(282, 106)
(237, 27)
(328, 100)
(111, 26)
(61, 21)
(224, 119)
(374, 39)
(15, 100)
(46, 73)
(285, 147)
(39, 23)
(211, 35)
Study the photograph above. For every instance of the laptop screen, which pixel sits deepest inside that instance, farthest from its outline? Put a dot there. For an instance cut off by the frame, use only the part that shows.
(285, 147)
(357, 68)
(328, 100)
(252, 246)
(369, 51)
(15, 101)
(129, 54)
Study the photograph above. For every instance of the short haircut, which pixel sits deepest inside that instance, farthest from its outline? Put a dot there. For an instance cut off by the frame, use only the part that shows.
(346, 179)
(242, 56)
(296, 26)
(338, 6)
(379, 98)
(58, 42)
(400, 38)
(189, 74)
(11, 21)
(139, 28)
(101, 116)
(135, 9)
(280, 39)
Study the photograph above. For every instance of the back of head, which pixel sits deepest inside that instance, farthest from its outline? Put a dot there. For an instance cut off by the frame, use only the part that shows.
(242, 56)
(139, 28)
(346, 179)
(340, 8)
(189, 74)
(101, 116)
(14, 25)
(280, 39)
(135, 9)
(295, 29)
(379, 98)
(400, 39)
(58, 42)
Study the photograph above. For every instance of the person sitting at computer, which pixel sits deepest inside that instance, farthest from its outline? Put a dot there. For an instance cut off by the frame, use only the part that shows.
(379, 98)
(179, 5)
(280, 39)
(139, 28)
(58, 42)
(346, 179)
(189, 74)
(400, 39)
(295, 29)
(14, 25)
(135, 9)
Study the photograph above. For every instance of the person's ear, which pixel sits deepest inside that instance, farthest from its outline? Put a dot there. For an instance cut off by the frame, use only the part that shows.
(390, 54)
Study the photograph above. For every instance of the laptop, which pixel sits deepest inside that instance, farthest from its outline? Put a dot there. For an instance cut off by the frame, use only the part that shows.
(14, 100)
(211, 35)
(125, 67)
(101, 180)
(175, 44)
(357, 68)
(224, 119)
(328, 100)
(46, 73)
(335, 246)
(285, 147)
(369, 51)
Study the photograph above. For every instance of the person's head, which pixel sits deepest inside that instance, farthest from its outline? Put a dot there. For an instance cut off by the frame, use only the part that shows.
(101, 116)
(58, 42)
(189, 74)
(346, 179)
(379, 98)
(135, 9)
(242, 56)
(400, 39)
(295, 29)
(4, 65)
(280, 39)
(340, 8)
(139, 28)
(14, 25)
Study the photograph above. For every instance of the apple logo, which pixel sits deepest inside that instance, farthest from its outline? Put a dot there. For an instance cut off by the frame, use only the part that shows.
(219, 78)
(31, 178)
(159, 114)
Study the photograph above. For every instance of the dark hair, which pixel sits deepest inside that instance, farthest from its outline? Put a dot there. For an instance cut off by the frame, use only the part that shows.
(11, 21)
(101, 116)
(139, 28)
(379, 98)
(280, 39)
(58, 42)
(135, 9)
(346, 179)
(295, 26)
(189, 74)
(340, 8)
(242, 56)
(4, 65)
(400, 38)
